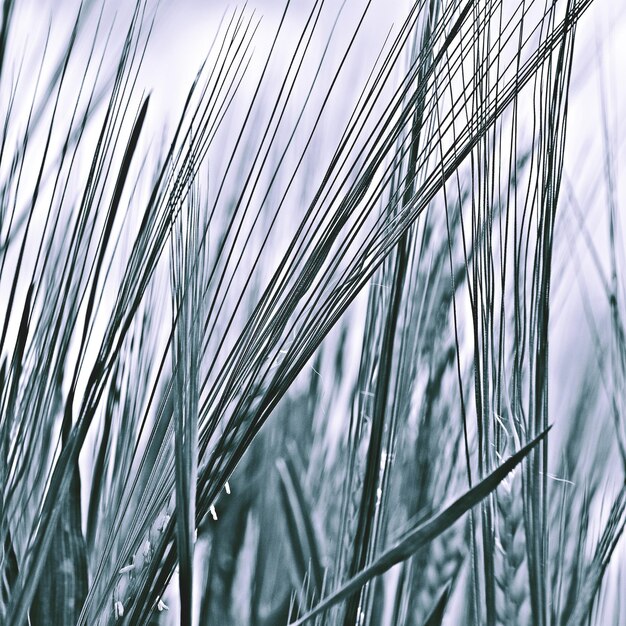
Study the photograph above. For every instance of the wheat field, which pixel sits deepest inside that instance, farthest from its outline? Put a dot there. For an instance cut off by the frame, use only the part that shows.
(312, 313)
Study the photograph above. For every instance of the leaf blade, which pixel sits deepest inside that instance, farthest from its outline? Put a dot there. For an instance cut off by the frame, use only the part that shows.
(424, 532)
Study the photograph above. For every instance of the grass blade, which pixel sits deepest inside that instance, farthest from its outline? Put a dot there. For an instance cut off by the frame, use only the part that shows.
(423, 533)
(436, 615)
(303, 540)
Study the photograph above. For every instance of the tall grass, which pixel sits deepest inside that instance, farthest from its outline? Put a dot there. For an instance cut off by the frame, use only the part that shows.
(257, 372)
